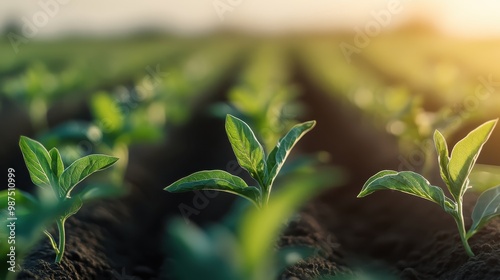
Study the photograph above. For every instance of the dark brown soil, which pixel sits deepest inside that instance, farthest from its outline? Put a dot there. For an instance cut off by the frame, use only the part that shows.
(93, 248)
(387, 232)
(397, 234)
(306, 230)
(123, 238)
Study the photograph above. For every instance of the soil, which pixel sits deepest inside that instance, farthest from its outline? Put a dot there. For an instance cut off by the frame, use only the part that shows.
(124, 238)
(387, 232)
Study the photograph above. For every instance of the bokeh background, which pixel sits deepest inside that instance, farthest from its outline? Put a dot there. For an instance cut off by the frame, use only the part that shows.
(457, 18)
(151, 81)
(409, 66)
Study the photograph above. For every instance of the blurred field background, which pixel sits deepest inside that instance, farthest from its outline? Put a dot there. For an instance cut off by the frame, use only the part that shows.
(409, 66)
(150, 82)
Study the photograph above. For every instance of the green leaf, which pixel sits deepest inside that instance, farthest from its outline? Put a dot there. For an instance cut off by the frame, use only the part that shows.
(464, 155)
(22, 199)
(246, 147)
(98, 190)
(107, 112)
(56, 164)
(260, 228)
(71, 206)
(443, 157)
(72, 131)
(81, 169)
(216, 180)
(377, 176)
(487, 207)
(278, 155)
(211, 254)
(38, 162)
(407, 182)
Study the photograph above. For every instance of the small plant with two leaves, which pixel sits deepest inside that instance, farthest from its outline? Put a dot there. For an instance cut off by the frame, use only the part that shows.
(111, 131)
(243, 245)
(455, 170)
(47, 171)
(251, 157)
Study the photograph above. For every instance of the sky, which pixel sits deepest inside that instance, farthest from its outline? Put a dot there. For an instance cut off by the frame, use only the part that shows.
(59, 17)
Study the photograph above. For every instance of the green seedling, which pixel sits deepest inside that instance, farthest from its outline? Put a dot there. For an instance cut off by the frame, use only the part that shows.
(47, 171)
(36, 88)
(251, 157)
(33, 215)
(264, 96)
(455, 171)
(243, 246)
(111, 131)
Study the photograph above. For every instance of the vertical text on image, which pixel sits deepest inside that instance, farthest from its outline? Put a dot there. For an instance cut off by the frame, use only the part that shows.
(11, 219)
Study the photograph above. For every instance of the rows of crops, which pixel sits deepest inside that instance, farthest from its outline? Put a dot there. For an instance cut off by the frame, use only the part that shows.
(156, 107)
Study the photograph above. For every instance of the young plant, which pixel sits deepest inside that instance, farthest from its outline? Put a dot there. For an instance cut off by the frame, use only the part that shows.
(455, 170)
(33, 215)
(251, 157)
(47, 171)
(243, 245)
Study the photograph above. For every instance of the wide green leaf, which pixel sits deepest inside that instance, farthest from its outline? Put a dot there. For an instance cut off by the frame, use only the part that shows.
(380, 174)
(407, 182)
(464, 155)
(38, 162)
(443, 156)
(71, 206)
(56, 163)
(487, 207)
(278, 155)
(81, 169)
(216, 180)
(246, 147)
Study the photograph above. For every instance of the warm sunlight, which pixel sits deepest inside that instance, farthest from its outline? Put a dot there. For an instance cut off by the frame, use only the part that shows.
(460, 18)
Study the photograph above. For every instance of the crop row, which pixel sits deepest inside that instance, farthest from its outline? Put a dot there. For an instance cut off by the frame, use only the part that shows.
(136, 99)
(409, 98)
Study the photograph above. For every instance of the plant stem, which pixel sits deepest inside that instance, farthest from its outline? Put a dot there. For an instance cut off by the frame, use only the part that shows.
(52, 241)
(459, 218)
(62, 240)
(267, 195)
(266, 191)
